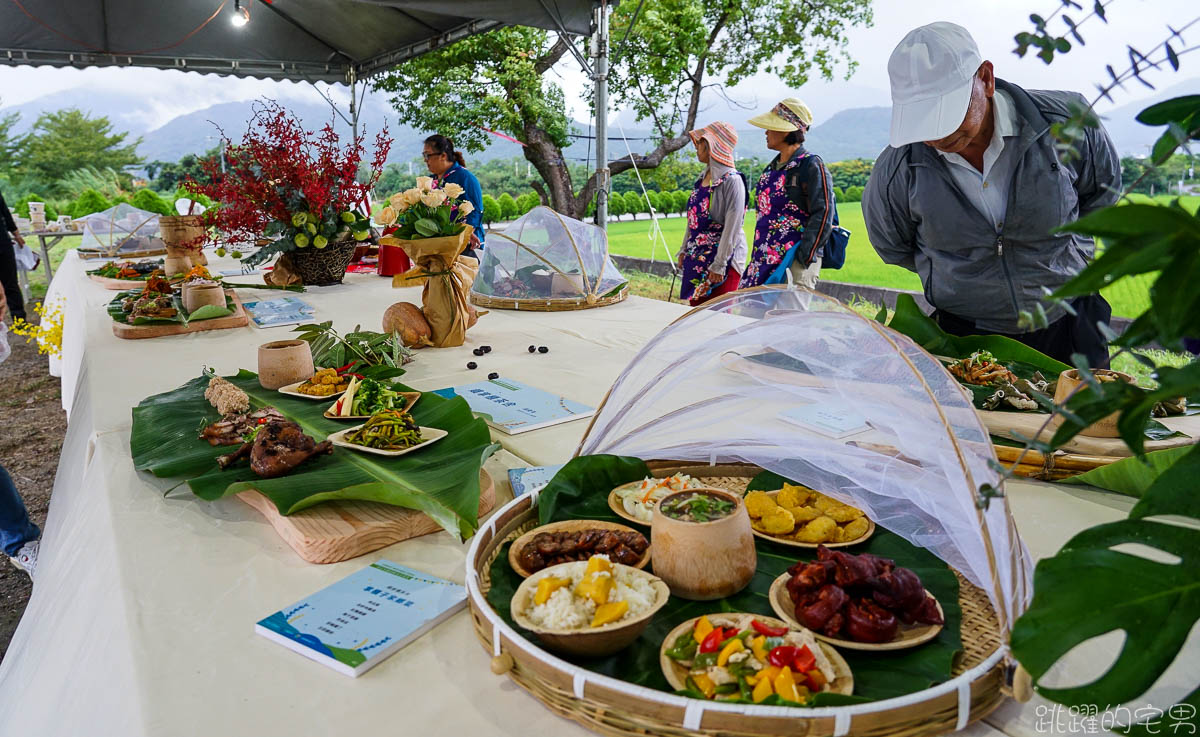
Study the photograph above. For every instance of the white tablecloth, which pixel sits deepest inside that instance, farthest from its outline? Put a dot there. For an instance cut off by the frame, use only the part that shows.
(141, 620)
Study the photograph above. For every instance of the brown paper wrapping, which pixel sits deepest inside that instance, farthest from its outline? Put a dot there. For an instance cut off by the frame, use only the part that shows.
(447, 277)
(282, 275)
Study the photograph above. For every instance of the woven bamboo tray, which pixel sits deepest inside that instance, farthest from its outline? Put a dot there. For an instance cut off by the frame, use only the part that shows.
(613, 707)
(549, 304)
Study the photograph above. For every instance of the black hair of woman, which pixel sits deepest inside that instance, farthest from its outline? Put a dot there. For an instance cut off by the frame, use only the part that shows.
(443, 145)
(796, 136)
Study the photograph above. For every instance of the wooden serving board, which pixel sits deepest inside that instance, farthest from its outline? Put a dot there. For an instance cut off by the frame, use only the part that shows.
(117, 284)
(239, 319)
(119, 254)
(1010, 424)
(335, 531)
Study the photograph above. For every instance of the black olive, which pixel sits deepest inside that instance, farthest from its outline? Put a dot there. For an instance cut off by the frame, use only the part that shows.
(493, 375)
(533, 349)
(543, 349)
(485, 348)
(472, 365)
(478, 351)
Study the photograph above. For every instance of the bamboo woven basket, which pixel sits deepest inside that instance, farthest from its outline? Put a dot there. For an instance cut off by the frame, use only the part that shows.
(613, 707)
(548, 304)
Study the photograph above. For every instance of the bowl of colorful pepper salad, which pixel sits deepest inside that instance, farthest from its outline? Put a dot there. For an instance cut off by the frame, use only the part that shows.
(749, 658)
(390, 433)
(365, 397)
(590, 608)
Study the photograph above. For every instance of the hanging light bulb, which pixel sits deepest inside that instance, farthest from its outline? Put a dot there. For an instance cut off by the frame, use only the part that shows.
(241, 16)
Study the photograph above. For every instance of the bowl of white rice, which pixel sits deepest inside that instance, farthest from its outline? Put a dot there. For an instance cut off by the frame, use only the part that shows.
(564, 622)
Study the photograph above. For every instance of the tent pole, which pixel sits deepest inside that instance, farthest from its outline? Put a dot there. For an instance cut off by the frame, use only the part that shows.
(600, 78)
(353, 78)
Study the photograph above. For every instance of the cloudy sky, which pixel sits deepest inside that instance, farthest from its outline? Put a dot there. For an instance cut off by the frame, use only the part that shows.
(1141, 23)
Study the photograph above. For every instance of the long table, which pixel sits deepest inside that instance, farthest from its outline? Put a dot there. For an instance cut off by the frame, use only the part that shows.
(141, 620)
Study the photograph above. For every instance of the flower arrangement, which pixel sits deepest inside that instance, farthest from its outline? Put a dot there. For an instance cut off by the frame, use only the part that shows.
(426, 211)
(47, 333)
(299, 189)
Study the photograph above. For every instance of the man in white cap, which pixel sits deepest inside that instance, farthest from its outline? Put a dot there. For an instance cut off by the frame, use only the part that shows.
(970, 191)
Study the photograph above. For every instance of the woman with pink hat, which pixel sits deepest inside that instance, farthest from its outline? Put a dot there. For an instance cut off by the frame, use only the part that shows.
(713, 253)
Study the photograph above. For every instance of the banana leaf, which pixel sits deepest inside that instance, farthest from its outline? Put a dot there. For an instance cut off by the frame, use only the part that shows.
(580, 491)
(182, 317)
(1131, 476)
(1090, 588)
(442, 480)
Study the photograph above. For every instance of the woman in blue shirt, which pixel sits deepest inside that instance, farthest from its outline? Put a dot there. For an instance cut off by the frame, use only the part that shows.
(447, 165)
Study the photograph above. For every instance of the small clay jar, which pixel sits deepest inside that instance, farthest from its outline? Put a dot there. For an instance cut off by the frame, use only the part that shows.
(1068, 380)
(196, 296)
(704, 560)
(283, 362)
(173, 265)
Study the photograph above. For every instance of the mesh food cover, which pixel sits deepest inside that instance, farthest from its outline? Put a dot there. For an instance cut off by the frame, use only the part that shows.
(801, 385)
(120, 228)
(547, 256)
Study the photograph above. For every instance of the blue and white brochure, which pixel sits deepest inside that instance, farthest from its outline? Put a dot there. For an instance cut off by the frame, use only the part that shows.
(512, 407)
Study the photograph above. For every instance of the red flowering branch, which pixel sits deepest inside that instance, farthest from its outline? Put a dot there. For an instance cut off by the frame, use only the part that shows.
(288, 183)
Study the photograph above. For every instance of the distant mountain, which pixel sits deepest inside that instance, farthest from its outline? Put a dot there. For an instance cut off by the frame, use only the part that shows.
(1131, 137)
(858, 133)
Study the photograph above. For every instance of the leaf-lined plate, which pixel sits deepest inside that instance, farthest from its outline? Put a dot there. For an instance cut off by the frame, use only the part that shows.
(182, 317)
(429, 435)
(783, 540)
(291, 391)
(442, 481)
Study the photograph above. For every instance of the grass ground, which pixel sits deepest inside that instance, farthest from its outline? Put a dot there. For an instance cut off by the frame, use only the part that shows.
(1129, 297)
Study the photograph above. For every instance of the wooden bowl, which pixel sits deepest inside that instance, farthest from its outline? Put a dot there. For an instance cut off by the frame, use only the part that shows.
(572, 525)
(283, 362)
(811, 546)
(704, 560)
(676, 674)
(1103, 428)
(196, 296)
(909, 635)
(589, 641)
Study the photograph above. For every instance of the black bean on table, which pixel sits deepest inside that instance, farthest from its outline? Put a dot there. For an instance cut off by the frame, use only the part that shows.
(472, 365)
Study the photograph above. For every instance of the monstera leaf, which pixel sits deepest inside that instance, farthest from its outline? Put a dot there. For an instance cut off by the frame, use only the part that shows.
(1089, 589)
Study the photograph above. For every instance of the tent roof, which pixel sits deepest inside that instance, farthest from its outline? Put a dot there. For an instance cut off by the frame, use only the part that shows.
(306, 40)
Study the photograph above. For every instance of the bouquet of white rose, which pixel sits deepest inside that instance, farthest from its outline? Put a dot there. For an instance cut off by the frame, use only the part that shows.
(430, 229)
(425, 211)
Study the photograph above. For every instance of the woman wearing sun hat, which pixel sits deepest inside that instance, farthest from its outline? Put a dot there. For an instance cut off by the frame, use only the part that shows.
(713, 253)
(794, 200)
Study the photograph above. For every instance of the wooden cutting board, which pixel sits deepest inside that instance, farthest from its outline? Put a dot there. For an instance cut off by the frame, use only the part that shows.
(335, 531)
(239, 319)
(117, 284)
(1011, 424)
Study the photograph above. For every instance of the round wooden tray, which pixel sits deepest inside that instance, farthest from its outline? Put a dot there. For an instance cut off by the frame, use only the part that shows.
(676, 674)
(910, 635)
(571, 525)
(813, 546)
(613, 707)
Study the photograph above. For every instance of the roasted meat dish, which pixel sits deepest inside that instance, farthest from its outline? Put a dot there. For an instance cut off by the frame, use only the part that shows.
(863, 598)
(152, 305)
(278, 448)
(551, 548)
(230, 430)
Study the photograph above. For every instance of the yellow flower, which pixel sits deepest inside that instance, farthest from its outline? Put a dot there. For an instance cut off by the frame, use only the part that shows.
(465, 207)
(434, 198)
(387, 215)
(452, 190)
(48, 333)
(424, 184)
(412, 197)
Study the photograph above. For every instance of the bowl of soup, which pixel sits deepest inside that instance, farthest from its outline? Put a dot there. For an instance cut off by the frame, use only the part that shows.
(707, 545)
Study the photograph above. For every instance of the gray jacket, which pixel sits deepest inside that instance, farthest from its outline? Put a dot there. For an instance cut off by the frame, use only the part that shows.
(916, 217)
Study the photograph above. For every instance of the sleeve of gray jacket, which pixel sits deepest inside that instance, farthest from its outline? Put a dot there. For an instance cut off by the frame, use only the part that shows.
(1099, 181)
(819, 184)
(890, 227)
(729, 209)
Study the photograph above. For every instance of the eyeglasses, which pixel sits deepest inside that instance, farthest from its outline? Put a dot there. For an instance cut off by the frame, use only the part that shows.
(427, 157)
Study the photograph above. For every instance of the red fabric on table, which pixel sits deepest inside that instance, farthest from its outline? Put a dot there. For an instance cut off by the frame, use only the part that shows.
(732, 278)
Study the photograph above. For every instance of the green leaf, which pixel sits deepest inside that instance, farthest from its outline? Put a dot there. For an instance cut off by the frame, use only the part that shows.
(1089, 589)
(1133, 476)
(1133, 220)
(427, 227)
(580, 491)
(1174, 110)
(441, 480)
(909, 320)
(1174, 491)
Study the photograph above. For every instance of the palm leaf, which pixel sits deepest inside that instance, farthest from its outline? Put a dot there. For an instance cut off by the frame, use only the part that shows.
(442, 481)
(207, 312)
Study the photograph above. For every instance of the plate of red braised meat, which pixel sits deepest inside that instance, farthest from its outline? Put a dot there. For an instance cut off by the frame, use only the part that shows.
(859, 602)
(573, 540)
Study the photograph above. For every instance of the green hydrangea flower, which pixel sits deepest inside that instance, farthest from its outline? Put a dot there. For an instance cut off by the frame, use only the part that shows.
(301, 240)
(348, 217)
(299, 219)
(320, 241)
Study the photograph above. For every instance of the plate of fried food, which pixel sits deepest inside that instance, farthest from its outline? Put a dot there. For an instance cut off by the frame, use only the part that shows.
(798, 516)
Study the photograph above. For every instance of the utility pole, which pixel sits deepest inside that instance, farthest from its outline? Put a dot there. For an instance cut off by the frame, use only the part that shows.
(600, 78)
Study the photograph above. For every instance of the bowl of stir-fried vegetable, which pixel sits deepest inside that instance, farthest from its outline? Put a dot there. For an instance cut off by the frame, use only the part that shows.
(389, 433)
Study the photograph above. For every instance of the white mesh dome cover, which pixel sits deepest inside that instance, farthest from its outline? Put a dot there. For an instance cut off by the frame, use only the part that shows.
(713, 386)
(545, 255)
(122, 227)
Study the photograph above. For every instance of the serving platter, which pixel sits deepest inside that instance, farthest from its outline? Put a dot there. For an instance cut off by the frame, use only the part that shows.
(410, 398)
(910, 635)
(239, 319)
(430, 434)
(676, 674)
(812, 546)
(618, 508)
(290, 390)
(573, 525)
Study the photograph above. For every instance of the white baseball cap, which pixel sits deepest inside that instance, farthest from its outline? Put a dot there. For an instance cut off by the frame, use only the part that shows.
(932, 72)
